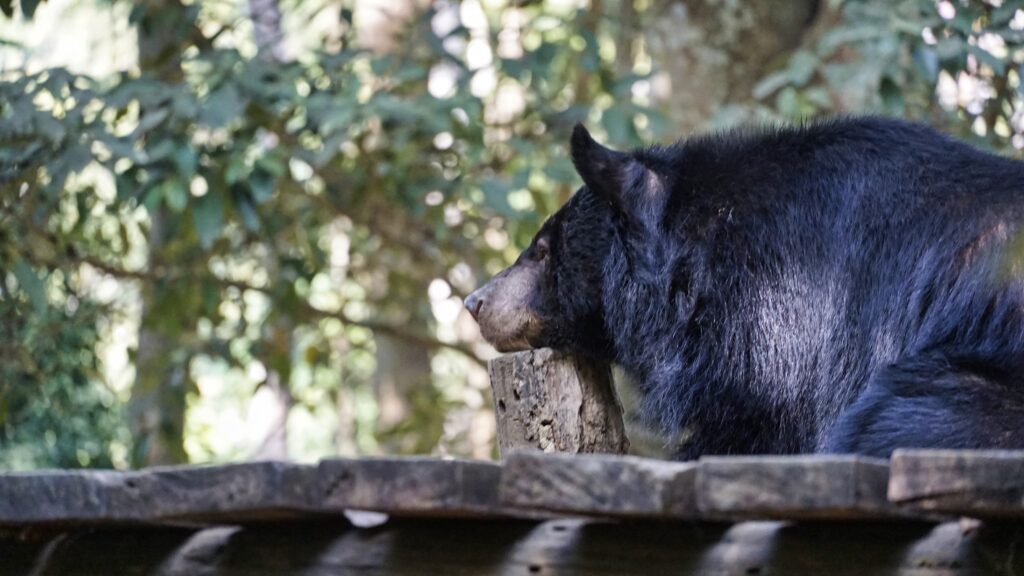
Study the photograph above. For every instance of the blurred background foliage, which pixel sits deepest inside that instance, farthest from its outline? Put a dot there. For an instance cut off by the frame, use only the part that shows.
(234, 230)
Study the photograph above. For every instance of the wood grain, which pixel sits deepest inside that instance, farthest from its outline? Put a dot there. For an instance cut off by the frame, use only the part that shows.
(411, 486)
(793, 487)
(208, 494)
(982, 484)
(611, 486)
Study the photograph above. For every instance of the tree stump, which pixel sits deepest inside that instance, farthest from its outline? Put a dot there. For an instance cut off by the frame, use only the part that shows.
(549, 401)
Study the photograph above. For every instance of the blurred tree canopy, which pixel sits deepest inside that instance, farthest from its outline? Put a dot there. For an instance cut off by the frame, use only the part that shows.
(255, 238)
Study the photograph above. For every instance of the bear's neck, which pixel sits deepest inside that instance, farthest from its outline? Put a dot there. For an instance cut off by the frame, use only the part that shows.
(695, 366)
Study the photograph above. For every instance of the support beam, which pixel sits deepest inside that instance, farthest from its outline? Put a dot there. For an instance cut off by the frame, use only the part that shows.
(565, 547)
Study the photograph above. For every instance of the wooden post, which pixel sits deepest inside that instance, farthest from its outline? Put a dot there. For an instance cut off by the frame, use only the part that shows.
(549, 401)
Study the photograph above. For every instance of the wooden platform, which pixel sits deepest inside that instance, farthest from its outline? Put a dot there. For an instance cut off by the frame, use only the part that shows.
(534, 514)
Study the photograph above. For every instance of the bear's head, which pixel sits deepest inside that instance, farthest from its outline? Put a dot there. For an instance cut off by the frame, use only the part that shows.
(552, 296)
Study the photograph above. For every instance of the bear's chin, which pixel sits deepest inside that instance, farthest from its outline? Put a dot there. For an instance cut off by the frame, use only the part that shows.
(512, 346)
(506, 343)
(512, 332)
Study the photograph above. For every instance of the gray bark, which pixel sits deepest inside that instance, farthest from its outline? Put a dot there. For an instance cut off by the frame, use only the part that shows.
(547, 401)
(156, 410)
(713, 52)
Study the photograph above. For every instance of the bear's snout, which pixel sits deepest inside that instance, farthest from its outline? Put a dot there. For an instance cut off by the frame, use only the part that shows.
(473, 303)
(502, 308)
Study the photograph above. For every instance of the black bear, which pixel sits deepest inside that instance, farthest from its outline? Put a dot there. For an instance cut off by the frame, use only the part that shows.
(852, 285)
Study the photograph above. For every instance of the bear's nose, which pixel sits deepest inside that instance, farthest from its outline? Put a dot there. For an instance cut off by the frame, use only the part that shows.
(473, 303)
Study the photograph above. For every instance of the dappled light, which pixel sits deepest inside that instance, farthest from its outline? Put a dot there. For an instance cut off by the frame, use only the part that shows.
(217, 249)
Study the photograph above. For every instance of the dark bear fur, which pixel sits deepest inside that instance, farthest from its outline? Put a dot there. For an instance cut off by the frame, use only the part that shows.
(852, 285)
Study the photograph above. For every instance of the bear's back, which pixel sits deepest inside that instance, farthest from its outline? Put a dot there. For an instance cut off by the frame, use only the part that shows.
(836, 248)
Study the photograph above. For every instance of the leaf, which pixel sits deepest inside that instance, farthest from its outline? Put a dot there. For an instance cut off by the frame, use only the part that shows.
(987, 58)
(7, 7)
(262, 184)
(208, 217)
(31, 284)
(801, 67)
(1004, 13)
(892, 96)
(224, 105)
(950, 48)
(237, 170)
(245, 208)
(496, 192)
(174, 194)
(927, 62)
(272, 164)
(151, 119)
(51, 128)
(561, 170)
(185, 162)
(770, 84)
(618, 122)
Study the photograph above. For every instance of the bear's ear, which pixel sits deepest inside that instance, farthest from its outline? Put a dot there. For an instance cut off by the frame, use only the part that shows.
(603, 170)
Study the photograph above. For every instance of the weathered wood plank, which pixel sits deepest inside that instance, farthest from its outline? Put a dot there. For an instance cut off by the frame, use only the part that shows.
(235, 492)
(793, 487)
(563, 547)
(984, 484)
(552, 402)
(250, 491)
(57, 496)
(613, 486)
(411, 486)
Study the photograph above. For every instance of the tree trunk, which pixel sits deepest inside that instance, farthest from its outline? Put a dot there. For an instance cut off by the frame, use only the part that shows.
(269, 37)
(403, 371)
(156, 410)
(403, 367)
(713, 52)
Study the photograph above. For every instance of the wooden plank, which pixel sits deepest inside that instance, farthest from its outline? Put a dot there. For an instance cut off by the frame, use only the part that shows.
(57, 496)
(235, 493)
(564, 547)
(983, 484)
(552, 402)
(793, 487)
(411, 486)
(251, 491)
(614, 486)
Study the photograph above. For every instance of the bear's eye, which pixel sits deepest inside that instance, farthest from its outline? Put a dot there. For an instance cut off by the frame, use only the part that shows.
(540, 250)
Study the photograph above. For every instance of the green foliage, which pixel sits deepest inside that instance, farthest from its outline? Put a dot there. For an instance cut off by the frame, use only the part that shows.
(54, 409)
(891, 57)
(256, 167)
(284, 216)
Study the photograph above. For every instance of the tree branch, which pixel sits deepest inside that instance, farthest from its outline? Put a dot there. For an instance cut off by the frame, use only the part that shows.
(400, 332)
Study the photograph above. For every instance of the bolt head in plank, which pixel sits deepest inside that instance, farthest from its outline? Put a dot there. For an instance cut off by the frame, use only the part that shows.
(974, 483)
(593, 484)
(549, 401)
(793, 487)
